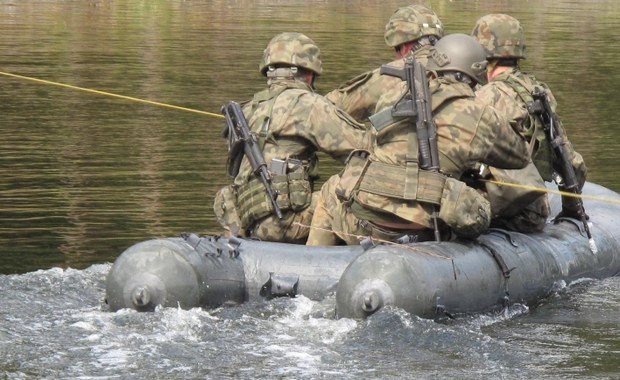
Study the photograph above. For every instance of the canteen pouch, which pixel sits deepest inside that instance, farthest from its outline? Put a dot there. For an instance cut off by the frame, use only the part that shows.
(508, 201)
(351, 175)
(464, 210)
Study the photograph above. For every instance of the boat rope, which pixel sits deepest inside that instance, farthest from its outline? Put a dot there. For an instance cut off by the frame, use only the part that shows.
(552, 191)
(165, 105)
(104, 93)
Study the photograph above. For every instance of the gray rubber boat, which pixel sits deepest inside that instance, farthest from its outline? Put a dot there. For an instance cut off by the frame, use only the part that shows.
(429, 279)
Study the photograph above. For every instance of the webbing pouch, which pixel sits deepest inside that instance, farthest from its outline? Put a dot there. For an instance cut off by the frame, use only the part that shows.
(464, 210)
(403, 182)
(299, 190)
(293, 191)
(253, 203)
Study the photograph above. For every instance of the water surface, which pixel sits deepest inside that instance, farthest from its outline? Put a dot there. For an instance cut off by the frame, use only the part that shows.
(84, 176)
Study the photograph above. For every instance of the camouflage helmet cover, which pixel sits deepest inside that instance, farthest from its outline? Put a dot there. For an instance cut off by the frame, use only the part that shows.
(459, 52)
(294, 49)
(500, 35)
(410, 23)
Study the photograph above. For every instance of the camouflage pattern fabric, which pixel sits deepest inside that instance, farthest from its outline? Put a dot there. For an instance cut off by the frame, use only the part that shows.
(500, 92)
(517, 208)
(468, 131)
(301, 123)
(293, 49)
(293, 228)
(225, 209)
(500, 35)
(333, 223)
(359, 96)
(532, 218)
(410, 23)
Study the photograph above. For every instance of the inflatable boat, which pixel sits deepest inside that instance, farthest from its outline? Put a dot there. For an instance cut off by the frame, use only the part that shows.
(429, 279)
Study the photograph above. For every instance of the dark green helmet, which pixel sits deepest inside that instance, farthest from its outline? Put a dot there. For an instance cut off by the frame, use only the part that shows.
(461, 53)
(500, 35)
(411, 23)
(292, 49)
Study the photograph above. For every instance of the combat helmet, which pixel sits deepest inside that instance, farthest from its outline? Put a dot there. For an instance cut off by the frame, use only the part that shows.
(411, 23)
(460, 53)
(500, 35)
(292, 49)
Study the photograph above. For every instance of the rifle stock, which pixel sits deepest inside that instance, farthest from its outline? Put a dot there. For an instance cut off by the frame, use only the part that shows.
(239, 135)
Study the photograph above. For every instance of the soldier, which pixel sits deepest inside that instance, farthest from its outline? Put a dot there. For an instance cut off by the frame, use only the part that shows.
(412, 30)
(510, 91)
(384, 194)
(291, 123)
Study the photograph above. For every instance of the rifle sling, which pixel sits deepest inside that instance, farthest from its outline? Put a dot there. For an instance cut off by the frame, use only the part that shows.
(265, 95)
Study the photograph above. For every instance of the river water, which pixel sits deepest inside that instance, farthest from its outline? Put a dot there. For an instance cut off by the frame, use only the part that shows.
(84, 175)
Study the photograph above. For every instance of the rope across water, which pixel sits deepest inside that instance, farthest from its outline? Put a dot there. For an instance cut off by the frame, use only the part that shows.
(170, 106)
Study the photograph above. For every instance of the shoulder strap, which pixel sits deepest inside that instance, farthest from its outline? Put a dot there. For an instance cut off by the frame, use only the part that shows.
(521, 88)
(441, 92)
(270, 95)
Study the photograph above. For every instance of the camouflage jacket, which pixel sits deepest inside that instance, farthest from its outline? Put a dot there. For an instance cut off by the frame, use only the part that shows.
(359, 96)
(295, 122)
(508, 93)
(468, 132)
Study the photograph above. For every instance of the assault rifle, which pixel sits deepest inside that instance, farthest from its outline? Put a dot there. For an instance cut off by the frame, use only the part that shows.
(416, 104)
(240, 137)
(541, 107)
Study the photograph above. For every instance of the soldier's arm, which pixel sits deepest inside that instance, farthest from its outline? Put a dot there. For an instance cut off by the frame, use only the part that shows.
(502, 98)
(335, 132)
(507, 149)
(353, 97)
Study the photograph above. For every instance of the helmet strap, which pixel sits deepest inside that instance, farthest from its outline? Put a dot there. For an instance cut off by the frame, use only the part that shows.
(424, 41)
(460, 77)
(282, 72)
(292, 72)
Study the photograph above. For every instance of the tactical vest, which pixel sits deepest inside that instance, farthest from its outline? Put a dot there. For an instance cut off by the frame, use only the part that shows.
(540, 146)
(380, 191)
(293, 189)
(291, 181)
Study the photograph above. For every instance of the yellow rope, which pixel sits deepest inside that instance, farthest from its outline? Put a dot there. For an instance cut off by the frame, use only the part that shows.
(111, 94)
(545, 190)
(43, 81)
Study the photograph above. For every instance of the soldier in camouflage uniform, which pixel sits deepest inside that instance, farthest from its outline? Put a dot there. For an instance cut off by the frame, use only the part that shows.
(291, 123)
(509, 91)
(412, 30)
(383, 194)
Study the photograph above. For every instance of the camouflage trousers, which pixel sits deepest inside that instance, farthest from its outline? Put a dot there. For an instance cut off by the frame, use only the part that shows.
(333, 223)
(293, 228)
(516, 208)
(532, 218)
